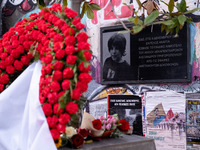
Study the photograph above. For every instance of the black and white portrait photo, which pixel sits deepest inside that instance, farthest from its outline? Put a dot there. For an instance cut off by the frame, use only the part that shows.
(116, 56)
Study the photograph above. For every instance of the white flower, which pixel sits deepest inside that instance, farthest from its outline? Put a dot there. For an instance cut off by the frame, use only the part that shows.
(70, 131)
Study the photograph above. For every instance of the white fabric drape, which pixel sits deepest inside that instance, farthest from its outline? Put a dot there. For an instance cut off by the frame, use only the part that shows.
(23, 125)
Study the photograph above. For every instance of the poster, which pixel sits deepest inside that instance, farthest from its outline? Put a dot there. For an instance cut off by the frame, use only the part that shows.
(193, 118)
(165, 119)
(127, 107)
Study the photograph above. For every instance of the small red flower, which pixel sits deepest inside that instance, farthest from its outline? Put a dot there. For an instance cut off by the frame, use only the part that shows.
(58, 65)
(80, 26)
(77, 140)
(66, 85)
(52, 121)
(58, 75)
(47, 109)
(10, 69)
(82, 37)
(83, 132)
(97, 124)
(61, 127)
(55, 134)
(55, 86)
(124, 127)
(64, 118)
(52, 98)
(56, 109)
(71, 59)
(18, 65)
(71, 108)
(70, 49)
(76, 94)
(87, 55)
(68, 73)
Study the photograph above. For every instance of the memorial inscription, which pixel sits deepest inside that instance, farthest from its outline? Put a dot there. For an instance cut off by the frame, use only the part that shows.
(155, 56)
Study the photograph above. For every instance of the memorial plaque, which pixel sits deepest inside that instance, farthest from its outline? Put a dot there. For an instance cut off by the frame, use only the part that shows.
(162, 57)
(152, 56)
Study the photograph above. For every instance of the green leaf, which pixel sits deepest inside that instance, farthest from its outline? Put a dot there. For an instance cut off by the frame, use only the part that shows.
(167, 23)
(65, 2)
(181, 6)
(84, 9)
(171, 6)
(149, 19)
(182, 19)
(131, 19)
(128, 6)
(137, 29)
(192, 11)
(163, 27)
(41, 4)
(94, 6)
(90, 13)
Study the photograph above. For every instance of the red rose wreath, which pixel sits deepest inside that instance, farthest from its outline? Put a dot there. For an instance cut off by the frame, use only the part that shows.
(52, 36)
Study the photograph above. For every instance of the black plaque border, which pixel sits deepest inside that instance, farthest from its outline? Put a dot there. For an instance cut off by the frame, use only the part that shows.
(118, 27)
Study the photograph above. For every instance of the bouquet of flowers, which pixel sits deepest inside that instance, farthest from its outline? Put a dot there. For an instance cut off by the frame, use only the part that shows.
(54, 37)
(94, 129)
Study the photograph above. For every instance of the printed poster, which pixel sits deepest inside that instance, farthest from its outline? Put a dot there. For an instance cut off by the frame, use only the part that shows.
(193, 118)
(165, 119)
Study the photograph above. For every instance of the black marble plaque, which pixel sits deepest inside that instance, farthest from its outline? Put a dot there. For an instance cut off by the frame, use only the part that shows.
(154, 57)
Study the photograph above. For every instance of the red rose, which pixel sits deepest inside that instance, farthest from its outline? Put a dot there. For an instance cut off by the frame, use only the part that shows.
(57, 76)
(48, 58)
(70, 49)
(52, 121)
(55, 86)
(85, 77)
(1, 87)
(71, 59)
(57, 37)
(61, 127)
(48, 80)
(25, 60)
(57, 46)
(69, 31)
(76, 94)
(3, 55)
(18, 65)
(71, 108)
(83, 132)
(124, 127)
(9, 60)
(45, 91)
(66, 85)
(84, 67)
(58, 65)
(77, 140)
(80, 26)
(47, 109)
(4, 79)
(60, 54)
(70, 13)
(42, 99)
(10, 69)
(82, 86)
(87, 55)
(76, 20)
(55, 134)
(68, 73)
(83, 46)
(64, 118)
(56, 109)
(2, 64)
(52, 98)
(69, 40)
(48, 68)
(97, 124)
(82, 37)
